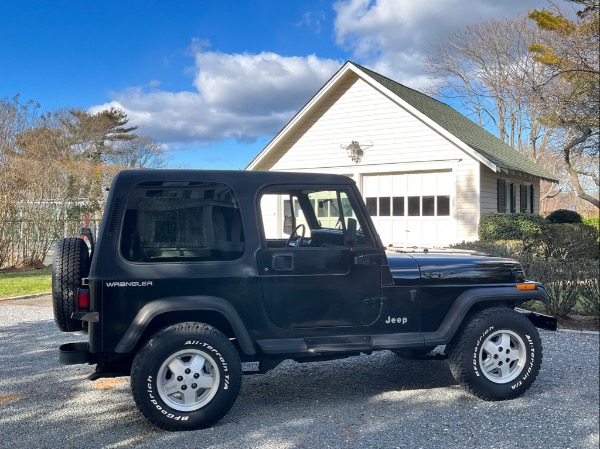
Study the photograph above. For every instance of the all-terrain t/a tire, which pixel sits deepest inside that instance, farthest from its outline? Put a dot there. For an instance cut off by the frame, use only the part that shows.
(70, 264)
(186, 377)
(497, 355)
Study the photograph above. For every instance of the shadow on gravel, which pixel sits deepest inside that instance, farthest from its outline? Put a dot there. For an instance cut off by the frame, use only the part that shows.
(377, 401)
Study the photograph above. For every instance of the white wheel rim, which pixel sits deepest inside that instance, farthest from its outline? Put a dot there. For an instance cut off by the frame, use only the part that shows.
(502, 356)
(188, 380)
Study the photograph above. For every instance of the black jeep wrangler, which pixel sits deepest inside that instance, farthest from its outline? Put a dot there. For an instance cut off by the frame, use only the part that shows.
(194, 272)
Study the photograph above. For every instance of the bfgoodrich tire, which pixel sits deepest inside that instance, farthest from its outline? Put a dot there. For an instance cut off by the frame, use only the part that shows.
(69, 266)
(186, 377)
(497, 355)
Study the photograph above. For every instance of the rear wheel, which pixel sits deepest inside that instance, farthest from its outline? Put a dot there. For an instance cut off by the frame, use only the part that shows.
(69, 266)
(497, 355)
(186, 377)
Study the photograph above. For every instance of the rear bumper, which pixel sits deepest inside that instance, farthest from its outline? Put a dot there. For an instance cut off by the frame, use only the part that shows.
(74, 353)
(539, 319)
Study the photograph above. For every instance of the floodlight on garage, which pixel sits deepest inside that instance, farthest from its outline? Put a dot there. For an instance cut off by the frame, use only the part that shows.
(355, 152)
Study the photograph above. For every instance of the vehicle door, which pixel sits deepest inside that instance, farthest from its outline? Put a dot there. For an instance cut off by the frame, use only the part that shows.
(319, 265)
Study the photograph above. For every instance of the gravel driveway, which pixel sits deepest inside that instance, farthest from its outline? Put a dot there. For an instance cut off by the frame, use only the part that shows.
(378, 401)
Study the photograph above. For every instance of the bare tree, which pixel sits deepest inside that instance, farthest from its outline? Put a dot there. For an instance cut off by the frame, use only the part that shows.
(571, 91)
(488, 70)
(140, 152)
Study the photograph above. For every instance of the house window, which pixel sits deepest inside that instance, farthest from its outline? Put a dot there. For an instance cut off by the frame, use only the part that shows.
(428, 204)
(384, 206)
(417, 206)
(531, 198)
(398, 206)
(372, 206)
(513, 198)
(414, 206)
(501, 195)
(523, 199)
(443, 206)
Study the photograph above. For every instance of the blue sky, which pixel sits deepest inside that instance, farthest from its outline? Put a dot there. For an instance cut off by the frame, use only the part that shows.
(214, 81)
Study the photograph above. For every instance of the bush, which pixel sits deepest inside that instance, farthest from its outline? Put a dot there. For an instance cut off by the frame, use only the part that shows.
(529, 229)
(512, 249)
(595, 222)
(564, 281)
(590, 297)
(511, 227)
(564, 216)
(571, 241)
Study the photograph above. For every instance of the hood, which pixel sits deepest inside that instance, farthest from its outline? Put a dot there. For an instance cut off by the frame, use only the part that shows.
(451, 268)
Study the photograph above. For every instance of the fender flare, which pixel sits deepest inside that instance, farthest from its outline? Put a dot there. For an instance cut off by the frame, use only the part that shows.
(185, 304)
(455, 316)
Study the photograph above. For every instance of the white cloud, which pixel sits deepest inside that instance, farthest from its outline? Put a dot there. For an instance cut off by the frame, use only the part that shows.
(392, 36)
(244, 96)
(241, 96)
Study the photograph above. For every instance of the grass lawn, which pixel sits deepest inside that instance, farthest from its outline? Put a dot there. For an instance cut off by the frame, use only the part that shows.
(25, 282)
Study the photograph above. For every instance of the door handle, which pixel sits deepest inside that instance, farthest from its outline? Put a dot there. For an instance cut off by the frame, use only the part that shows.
(282, 262)
(367, 259)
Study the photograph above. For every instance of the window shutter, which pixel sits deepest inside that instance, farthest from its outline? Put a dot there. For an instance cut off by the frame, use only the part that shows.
(531, 198)
(523, 198)
(513, 198)
(501, 195)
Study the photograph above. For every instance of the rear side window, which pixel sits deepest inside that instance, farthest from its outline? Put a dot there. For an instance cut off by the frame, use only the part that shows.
(182, 222)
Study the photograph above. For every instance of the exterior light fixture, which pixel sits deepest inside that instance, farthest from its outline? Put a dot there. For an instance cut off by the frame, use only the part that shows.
(355, 152)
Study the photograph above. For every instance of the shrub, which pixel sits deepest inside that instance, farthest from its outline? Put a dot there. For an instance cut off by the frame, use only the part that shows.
(593, 221)
(571, 241)
(511, 227)
(563, 281)
(529, 229)
(564, 216)
(590, 294)
(500, 248)
(510, 249)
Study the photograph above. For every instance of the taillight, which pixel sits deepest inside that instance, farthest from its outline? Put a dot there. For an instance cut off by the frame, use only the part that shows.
(83, 298)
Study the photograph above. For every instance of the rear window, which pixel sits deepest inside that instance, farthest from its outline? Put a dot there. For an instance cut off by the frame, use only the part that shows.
(182, 221)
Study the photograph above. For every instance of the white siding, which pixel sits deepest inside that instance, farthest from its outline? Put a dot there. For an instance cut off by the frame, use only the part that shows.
(489, 194)
(357, 111)
(401, 144)
(467, 204)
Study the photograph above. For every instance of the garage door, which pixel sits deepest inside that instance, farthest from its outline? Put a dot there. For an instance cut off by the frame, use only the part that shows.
(412, 209)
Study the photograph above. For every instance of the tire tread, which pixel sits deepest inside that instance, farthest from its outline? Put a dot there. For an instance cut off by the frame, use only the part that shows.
(69, 266)
(197, 331)
(460, 353)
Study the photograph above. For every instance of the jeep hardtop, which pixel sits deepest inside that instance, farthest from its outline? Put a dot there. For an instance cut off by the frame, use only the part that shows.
(194, 272)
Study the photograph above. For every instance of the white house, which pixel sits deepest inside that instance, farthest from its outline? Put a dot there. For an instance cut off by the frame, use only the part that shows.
(427, 172)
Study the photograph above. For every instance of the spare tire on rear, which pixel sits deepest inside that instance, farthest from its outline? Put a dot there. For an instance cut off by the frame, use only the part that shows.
(69, 267)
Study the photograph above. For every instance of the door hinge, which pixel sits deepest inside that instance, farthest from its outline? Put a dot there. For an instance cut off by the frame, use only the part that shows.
(372, 303)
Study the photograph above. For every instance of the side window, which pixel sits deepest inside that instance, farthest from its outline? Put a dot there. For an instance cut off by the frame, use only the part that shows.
(182, 222)
(321, 215)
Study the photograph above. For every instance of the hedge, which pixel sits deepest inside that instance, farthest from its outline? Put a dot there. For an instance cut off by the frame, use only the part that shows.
(527, 228)
(571, 241)
(564, 216)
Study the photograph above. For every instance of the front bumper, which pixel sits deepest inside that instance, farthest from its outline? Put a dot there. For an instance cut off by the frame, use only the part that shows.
(539, 319)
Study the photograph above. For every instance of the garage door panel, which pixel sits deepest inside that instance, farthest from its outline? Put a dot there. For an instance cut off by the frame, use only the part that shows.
(428, 222)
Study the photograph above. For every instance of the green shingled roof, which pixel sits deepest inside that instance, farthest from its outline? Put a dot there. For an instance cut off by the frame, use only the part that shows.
(476, 137)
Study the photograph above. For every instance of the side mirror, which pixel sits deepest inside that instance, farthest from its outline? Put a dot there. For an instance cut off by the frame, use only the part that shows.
(350, 237)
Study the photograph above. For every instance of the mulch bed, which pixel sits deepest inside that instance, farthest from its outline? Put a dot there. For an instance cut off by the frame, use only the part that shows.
(580, 322)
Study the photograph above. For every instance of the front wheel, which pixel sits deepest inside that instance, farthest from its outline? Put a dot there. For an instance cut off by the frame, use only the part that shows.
(497, 355)
(186, 377)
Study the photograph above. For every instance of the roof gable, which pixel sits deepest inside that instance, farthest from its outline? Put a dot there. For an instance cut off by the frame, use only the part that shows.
(464, 133)
(476, 137)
